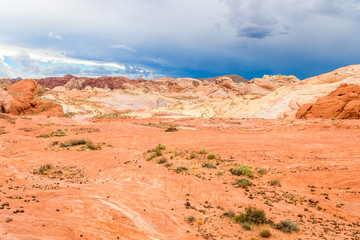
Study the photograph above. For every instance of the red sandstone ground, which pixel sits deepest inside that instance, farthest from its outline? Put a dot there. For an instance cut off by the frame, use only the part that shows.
(115, 193)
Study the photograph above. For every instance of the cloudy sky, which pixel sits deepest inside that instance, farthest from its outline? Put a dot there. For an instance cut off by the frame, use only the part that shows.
(177, 38)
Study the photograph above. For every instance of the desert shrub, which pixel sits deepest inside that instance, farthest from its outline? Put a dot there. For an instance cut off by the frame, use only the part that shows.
(242, 170)
(43, 170)
(192, 155)
(275, 182)
(73, 142)
(211, 156)
(190, 219)
(244, 182)
(91, 146)
(202, 151)
(180, 169)
(162, 160)
(230, 214)
(151, 156)
(287, 226)
(265, 233)
(76, 142)
(43, 136)
(262, 171)
(158, 152)
(168, 165)
(160, 147)
(246, 226)
(209, 165)
(251, 215)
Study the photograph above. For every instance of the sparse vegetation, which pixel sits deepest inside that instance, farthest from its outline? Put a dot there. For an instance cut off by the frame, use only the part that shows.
(162, 160)
(180, 169)
(190, 219)
(168, 165)
(192, 155)
(251, 216)
(172, 128)
(230, 214)
(203, 151)
(209, 165)
(242, 170)
(211, 156)
(160, 147)
(76, 142)
(57, 133)
(265, 233)
(262, 171)
(287, 226)
(151, 157)
(158, 152)
(246, 226)
(244, 182)
(91, 146)
(275, 182)
(43, 170)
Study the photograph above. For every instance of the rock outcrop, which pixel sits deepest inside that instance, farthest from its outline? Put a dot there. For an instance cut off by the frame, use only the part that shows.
(5, 81)
(20, 98)
(267, 84)
(72, 82)
(234, 77)
(343, 103)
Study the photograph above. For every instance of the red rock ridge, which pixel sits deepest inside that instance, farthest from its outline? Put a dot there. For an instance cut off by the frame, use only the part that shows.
(343, 103)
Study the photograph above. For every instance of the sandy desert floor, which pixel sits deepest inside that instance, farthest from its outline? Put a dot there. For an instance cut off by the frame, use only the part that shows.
(118, 193)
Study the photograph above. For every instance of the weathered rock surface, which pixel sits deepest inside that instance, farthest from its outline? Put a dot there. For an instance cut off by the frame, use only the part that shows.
(234, 77)
(5, 81)
(263, 86)
(20, 98)
(343, 103)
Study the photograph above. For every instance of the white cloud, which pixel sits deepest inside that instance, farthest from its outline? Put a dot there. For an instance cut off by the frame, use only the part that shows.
(123, 47)
(56, 36)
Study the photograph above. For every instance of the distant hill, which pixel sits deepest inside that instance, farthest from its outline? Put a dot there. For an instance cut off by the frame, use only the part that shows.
(236, 78)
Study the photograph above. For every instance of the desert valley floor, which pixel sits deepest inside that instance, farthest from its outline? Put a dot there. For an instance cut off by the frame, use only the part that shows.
(121, 190)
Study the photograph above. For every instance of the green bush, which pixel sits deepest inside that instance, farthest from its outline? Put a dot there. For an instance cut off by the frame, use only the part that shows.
(287, 226)
(211, 156)
(202, 151)
(158, 152)
(190, 219)
(43, 170)
(162, 160)
(242, 170)
(251, 215)
(160, 147)
(244, 182)
(209, 165)
(265, 233)
(151, 156)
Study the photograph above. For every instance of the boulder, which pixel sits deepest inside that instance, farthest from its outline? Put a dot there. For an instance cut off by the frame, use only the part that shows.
(20, 98)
